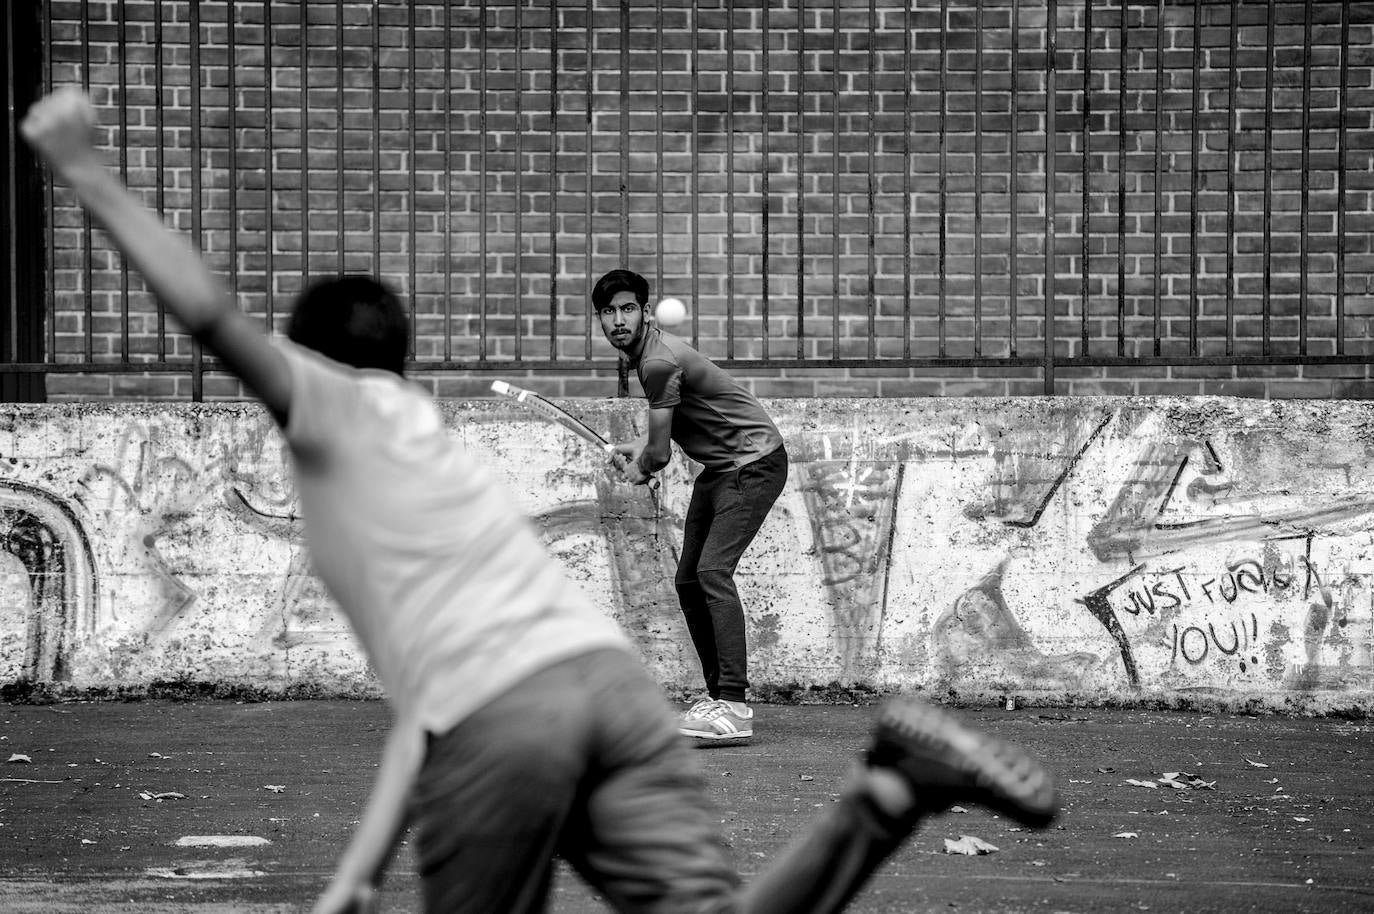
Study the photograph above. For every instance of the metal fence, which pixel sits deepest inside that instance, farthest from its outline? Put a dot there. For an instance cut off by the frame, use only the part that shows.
(1038, 186)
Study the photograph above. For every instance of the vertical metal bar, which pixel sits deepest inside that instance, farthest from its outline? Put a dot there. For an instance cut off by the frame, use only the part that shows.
(340, 239)
(87, 267)
(1341, 109)
(48, 229)
(11, 182)
(1013, 177)
(941, 278)
(906, 180)
(1051, 104)
(1306, 186)
(304, 13)
(729, 179)
(801, 179)
(193, 42)
(624, 133)
(482, 102)
(1123, 86)
(658, 148)
(1085, 228)
(413, 167)
(377, 139)
(765, 33)
(268, 168)
(1271, 62)
(977, 179)
(1194, 305)
(231, 17)
(123, 175)
(622, 362)
(519, 240)
(589, 155)
(1232, 128)
(553, 181)
(835, 178)
(696, 177)
(1159, 176)
(872, 189)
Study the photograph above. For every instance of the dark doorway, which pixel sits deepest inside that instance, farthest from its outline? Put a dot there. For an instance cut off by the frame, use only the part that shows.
(22, 258)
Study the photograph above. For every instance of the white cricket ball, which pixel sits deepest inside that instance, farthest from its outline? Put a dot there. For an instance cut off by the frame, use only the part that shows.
(670, 312)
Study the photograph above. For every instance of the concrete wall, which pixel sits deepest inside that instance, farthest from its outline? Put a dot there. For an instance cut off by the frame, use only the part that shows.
(1082, 550)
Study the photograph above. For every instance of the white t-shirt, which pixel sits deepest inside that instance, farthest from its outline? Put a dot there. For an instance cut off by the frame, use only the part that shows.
(442, 577)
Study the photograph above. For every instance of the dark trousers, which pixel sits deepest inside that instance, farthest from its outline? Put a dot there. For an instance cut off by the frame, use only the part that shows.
(583, 760)
(725, 513)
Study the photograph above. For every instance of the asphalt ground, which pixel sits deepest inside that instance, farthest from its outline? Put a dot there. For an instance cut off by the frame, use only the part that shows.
(1271, 813)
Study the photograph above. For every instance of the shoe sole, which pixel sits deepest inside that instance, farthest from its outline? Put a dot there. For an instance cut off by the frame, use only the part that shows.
(1004, 777)
(697, 734)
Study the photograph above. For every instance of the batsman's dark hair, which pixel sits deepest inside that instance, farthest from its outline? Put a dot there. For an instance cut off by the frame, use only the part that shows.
(619, 281)
(352, 319)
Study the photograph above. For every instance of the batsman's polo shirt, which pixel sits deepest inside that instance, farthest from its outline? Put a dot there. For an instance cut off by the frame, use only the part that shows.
(443, 578)
(716, 421)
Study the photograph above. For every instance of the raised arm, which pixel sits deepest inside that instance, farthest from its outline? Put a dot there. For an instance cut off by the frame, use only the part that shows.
(60, 127)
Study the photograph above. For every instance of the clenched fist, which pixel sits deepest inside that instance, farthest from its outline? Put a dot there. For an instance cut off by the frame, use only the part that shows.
(61, 128)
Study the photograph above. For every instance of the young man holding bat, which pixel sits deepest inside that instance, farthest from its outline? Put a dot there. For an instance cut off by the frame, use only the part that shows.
(523, 726)
(720, 425)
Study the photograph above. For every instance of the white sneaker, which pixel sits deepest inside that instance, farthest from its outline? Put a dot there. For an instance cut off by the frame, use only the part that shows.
(715, 719)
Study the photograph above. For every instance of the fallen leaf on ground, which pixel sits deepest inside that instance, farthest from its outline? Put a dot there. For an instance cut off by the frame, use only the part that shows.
(19, 759)
(969, 846)
(275, 788)
(1126, 834)
(1150, 784)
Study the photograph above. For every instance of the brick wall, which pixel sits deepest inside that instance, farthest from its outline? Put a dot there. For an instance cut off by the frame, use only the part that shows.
(875, 217)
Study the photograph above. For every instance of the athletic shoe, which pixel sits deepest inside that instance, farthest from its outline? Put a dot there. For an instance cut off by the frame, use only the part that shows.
(947, 763)
(714, 719)
(693, 714)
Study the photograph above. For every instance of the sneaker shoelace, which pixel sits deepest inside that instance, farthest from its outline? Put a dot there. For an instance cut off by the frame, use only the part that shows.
(717, 709)
(701, 707)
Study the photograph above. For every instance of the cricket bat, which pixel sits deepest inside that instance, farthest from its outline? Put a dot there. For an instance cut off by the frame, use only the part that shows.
(550, 410)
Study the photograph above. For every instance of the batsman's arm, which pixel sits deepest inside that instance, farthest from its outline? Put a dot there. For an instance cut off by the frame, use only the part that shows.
(60, 128)
(658, 444)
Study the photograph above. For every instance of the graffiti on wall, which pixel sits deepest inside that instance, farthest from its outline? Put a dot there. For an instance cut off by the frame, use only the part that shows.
(52, 603)
(1079, 550)
(850, 505)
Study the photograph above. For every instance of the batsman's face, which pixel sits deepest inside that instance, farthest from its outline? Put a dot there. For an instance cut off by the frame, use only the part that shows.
(622, 320)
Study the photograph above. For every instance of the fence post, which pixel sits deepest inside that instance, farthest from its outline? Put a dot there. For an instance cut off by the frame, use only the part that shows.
(1050, 105)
